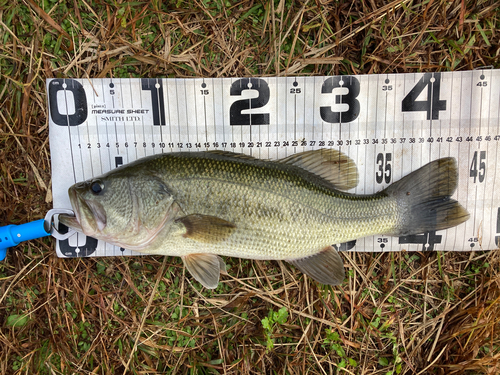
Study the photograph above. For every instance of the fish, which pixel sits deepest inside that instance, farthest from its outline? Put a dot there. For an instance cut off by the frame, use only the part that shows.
(204, 205)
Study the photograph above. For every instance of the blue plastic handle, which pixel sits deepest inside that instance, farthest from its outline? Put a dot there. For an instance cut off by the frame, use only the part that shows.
(12, 235)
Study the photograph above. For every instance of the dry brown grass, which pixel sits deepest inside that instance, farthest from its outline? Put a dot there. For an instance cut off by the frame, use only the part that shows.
(409, 313)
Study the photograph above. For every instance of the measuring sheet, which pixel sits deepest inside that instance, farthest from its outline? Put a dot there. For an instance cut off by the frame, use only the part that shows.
(390, 125)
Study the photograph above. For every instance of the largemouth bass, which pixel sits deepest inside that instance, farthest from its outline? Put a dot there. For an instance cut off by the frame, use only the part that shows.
(199, 205)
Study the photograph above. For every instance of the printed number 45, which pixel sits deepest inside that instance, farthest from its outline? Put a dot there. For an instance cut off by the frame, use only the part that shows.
(476, 173)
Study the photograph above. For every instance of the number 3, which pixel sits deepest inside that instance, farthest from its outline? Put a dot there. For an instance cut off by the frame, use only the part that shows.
(350, 83)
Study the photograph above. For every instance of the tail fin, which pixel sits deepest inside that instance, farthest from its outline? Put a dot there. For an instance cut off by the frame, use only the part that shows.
(423, 199)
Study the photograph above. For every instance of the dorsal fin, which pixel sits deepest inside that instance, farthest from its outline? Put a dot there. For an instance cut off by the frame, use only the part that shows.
(330, 164)
(231, 154)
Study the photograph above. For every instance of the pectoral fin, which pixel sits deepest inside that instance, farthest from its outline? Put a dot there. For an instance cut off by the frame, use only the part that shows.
(205, 228)
(325, 267)
(205, 268)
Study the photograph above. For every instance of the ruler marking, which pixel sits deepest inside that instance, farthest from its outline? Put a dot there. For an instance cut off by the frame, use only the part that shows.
(294, 116)
(250, 128)
(366, 153)
(111, 86)
(470, 147)
(393, 158)
(172, 111)
(393, 120)
(143, 129)
(90, 148)
(104, 96)
(106, 128)
(134, 125)
(99, 148)
(79, 141)
(223, 117)
(240, 128)
(195, 115)
(497, 237)
(467, 181)
(450, 98)
(312, 124)
(385, 112)
(98, 136)
(214, 110)
(186, 125)
(488, 156)
(431, 123)
(465, 125)
(228, 112)
(178, 111)
(318, 90)
(124, 103)
(212, 87)
(151, 132)
(69, 128)
(168, 118)
(304, 131)
(161, 104)
(480, 191)
(125, 132)
(205, 113)
(375, 136)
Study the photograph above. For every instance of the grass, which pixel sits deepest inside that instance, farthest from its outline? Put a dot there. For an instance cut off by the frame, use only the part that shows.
(400, 313)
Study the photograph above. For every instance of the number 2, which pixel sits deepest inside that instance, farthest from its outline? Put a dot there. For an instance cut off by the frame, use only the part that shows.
(235, 115)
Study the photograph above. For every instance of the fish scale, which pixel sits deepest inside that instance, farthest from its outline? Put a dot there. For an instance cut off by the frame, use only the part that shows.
(299, 217)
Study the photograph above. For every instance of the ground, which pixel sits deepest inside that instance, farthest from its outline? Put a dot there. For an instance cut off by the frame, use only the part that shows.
(396, 313)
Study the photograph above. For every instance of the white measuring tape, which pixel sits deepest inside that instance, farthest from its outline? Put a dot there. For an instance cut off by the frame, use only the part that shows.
(388, 124)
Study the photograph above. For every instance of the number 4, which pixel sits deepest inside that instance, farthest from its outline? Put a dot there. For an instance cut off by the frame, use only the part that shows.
(433, 104)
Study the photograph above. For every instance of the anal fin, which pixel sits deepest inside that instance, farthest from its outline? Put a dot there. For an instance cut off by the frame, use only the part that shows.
(325, 267)
(205, 268)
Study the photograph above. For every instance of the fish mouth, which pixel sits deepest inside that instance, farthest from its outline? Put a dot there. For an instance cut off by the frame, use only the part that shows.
(72, 222)
(90, 217)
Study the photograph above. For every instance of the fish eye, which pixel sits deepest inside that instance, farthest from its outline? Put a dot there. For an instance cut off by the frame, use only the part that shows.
(96, 187)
